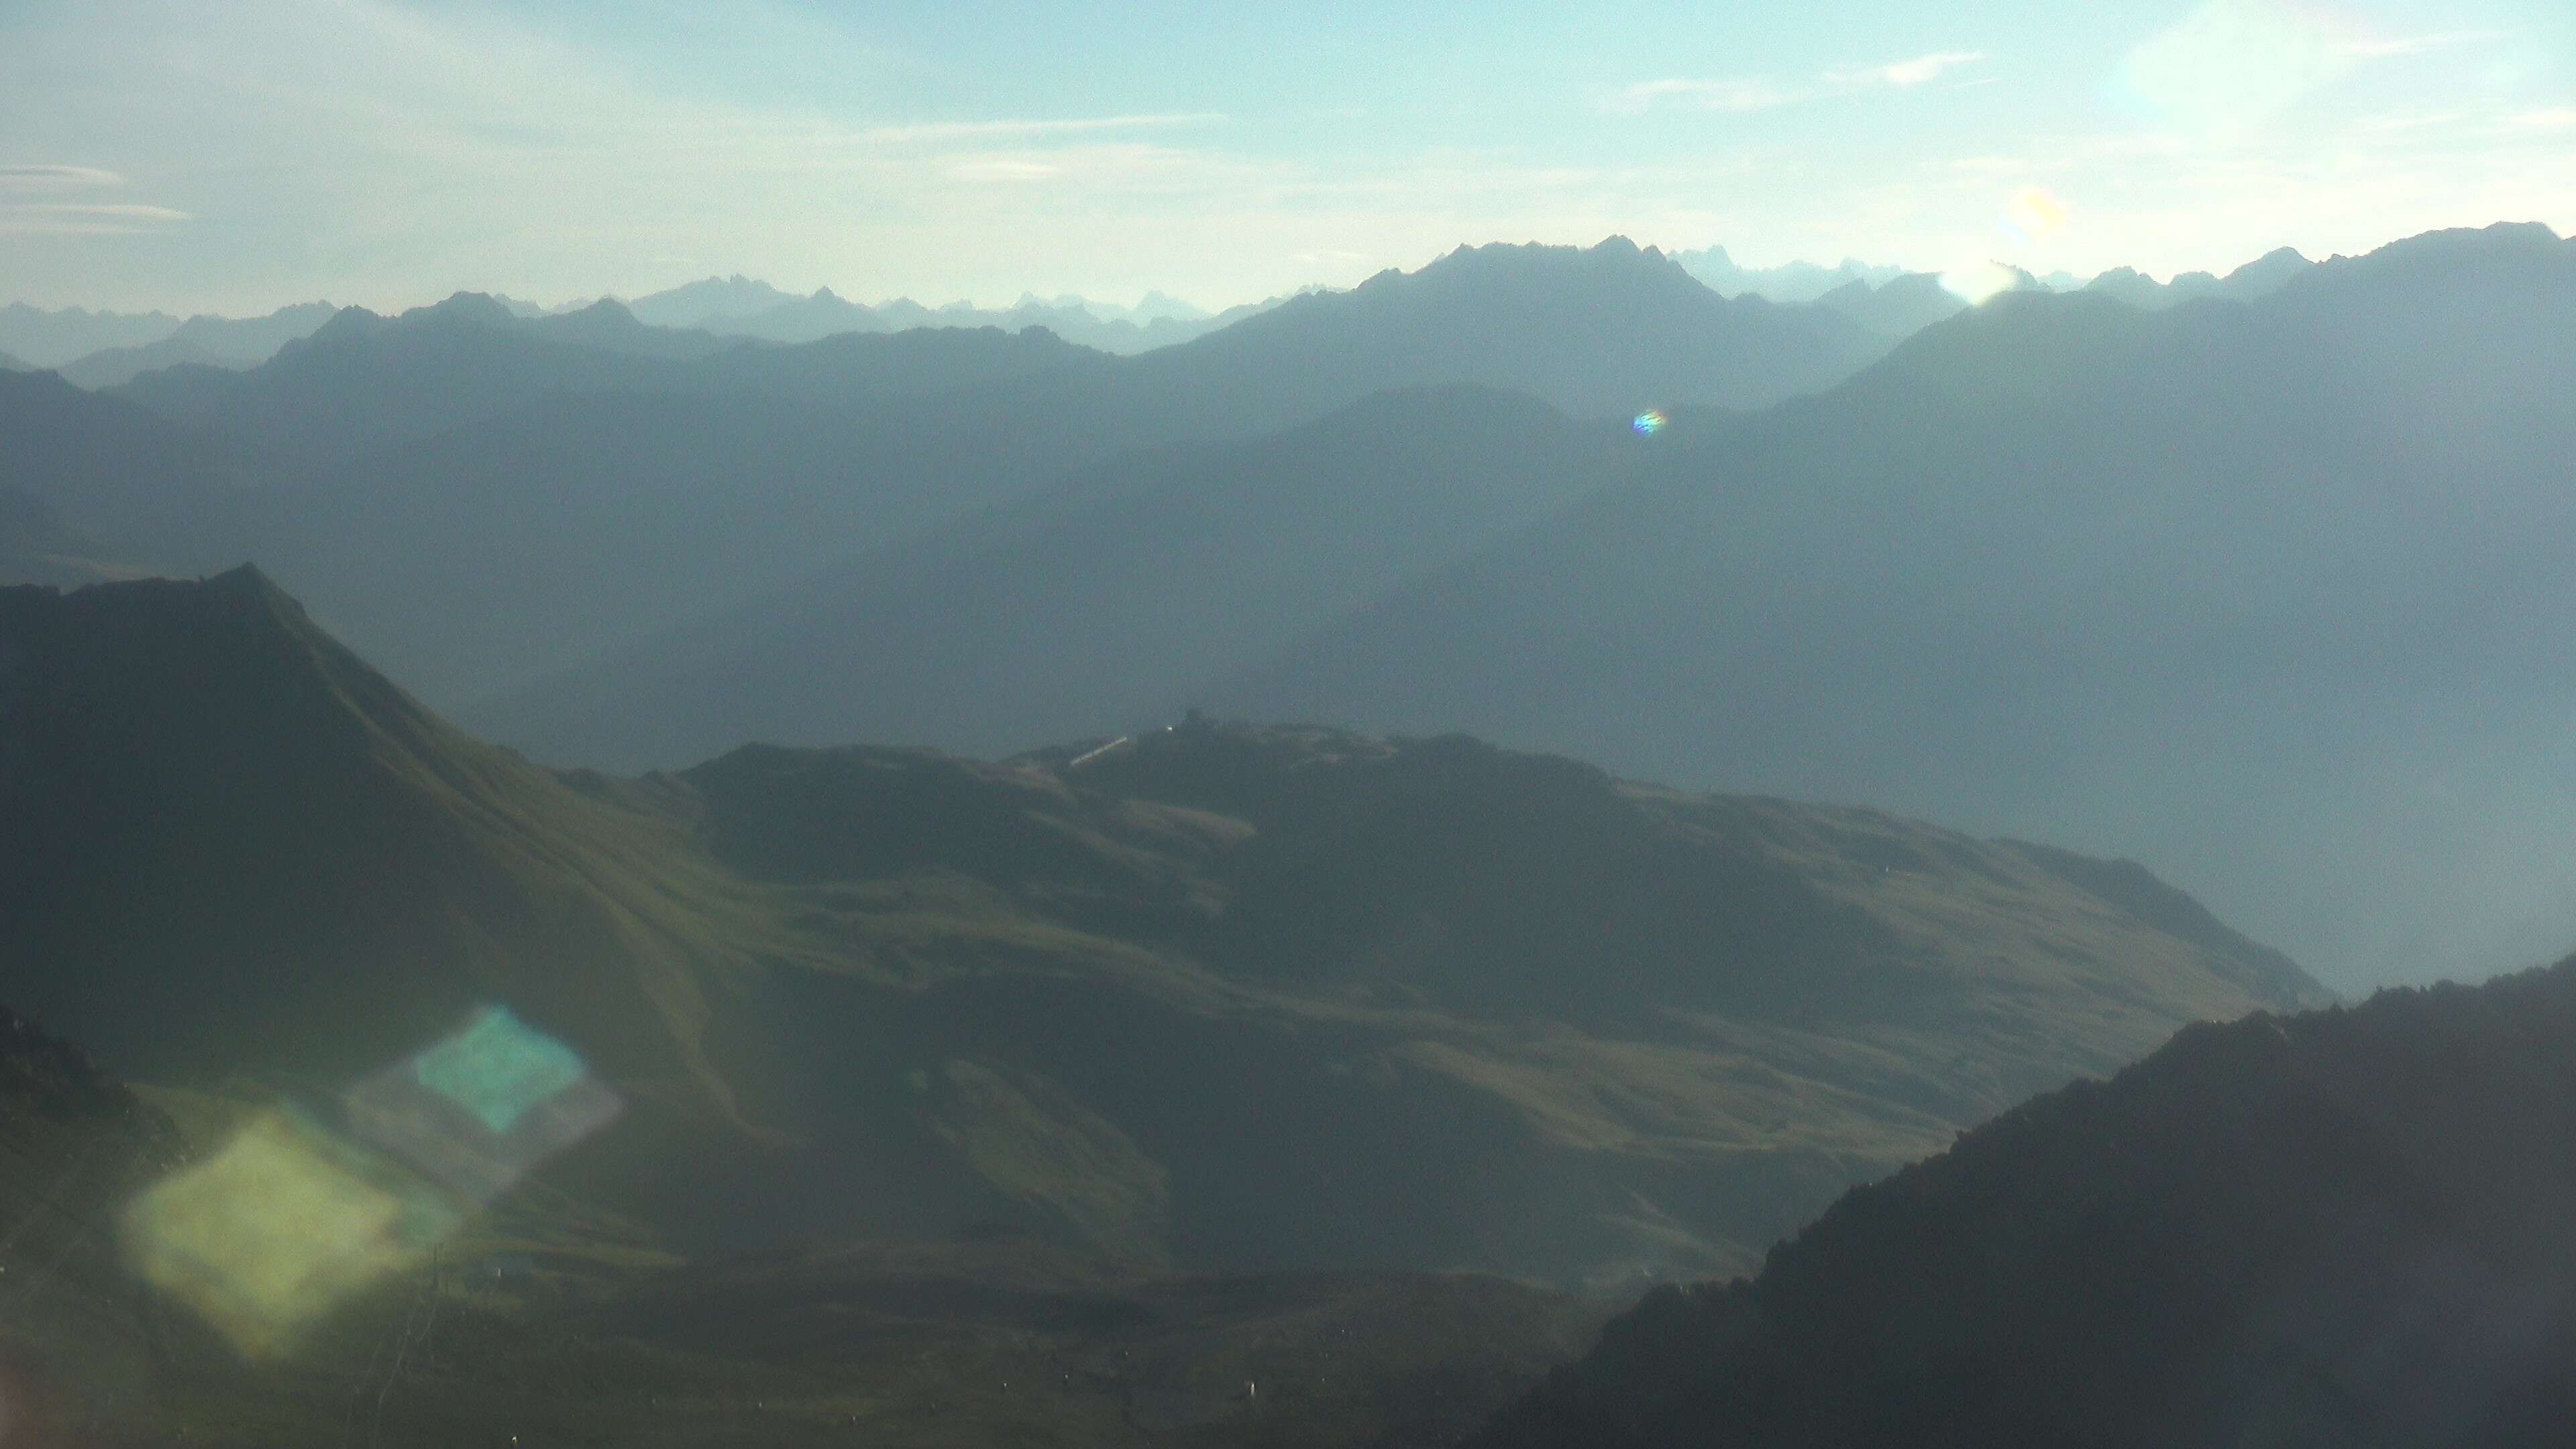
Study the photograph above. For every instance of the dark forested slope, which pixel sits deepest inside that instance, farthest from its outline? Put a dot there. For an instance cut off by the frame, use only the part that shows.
(2343, 1228)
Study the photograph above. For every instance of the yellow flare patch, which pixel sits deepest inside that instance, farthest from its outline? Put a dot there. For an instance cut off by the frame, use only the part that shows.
(277, 1228)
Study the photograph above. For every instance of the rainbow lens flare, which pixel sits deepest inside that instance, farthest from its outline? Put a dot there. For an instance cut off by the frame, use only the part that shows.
(1649, 422)
(288, 1219)
(478, 1109)
(2035, 214)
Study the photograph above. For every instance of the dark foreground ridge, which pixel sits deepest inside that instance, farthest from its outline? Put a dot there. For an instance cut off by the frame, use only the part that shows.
(2344, 1228)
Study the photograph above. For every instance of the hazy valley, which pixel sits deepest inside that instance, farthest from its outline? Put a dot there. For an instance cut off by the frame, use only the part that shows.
(1571, 846)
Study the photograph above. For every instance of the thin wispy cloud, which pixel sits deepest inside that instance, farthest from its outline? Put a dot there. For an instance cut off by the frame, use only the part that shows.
(2381, 48)
(993, 130)
(1746, 94)
(114, 212)
(1905, 73)
(67, 219)
(25, 178)
(2559, 118)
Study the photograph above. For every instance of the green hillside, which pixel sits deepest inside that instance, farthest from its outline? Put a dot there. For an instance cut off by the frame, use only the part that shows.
(1220, 997)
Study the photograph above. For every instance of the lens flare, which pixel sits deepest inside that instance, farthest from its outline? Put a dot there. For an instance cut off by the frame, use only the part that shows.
(478, 1109)
(277, 1228)
(1649, 422)
(2035, 215)
(288, 1219)
(1975, 284)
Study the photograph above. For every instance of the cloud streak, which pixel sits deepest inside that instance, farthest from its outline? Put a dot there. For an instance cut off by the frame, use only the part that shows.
(30, 178)
(1753, 93)
(994, 130)
(1907, 73)
(67, 218)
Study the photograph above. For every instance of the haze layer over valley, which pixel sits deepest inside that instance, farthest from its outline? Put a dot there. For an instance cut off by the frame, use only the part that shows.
(2166, 570)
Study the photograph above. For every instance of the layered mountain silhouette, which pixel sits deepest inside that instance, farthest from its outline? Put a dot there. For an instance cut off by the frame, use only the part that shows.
(438, 482)
(1217, 996)
(1790, 282)
(363, 380)
(1897, 308)
(2056, 567)
(2258, 278)
(714, 299)
(205, 341)
(739, 306)
(2259, 591)
(2341, 1228)
(53, 337)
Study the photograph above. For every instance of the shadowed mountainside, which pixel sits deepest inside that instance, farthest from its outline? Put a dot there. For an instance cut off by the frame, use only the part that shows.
(76, 1334)
(1431, 1003)
(2341, 1228)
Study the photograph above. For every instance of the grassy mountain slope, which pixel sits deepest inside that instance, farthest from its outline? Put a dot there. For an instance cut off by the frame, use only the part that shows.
(2062, 568)
(2340, 1228)
(1218, 997)
(253, 851)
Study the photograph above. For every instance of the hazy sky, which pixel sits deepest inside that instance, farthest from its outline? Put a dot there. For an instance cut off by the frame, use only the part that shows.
(237, 154)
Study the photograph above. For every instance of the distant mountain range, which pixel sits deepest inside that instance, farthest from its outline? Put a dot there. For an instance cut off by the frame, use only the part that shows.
(2058, 565)
(205, 342)
(2259, 278)
(2061, 565)
(1793, 282)
(483, 498)
(2259, 590)
(2341, 1228)
(740, 307)
(105, 349)
(51, 338)
(1218, 996)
